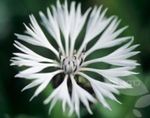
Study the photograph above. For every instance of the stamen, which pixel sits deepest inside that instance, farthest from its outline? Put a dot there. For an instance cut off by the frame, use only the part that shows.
(71, 64)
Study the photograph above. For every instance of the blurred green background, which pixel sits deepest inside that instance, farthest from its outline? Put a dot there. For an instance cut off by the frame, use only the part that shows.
(14, 104)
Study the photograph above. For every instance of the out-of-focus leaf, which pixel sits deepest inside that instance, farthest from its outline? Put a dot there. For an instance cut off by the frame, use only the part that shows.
(143, 101)
(139, 88)
(137, 113)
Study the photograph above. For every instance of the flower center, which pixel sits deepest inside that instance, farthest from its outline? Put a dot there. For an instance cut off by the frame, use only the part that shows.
(71, 64)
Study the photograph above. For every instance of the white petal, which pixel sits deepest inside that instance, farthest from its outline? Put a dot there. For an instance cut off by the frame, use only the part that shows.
(40, 78)
(29, 54)
(108, 38)
(61, 93)
(95, 26)
(102, 89)
(33, 84)
(101, 98)
(40, 88)
(51, 25)
(77, 23)
(36, 33)
(80, 94)
(34, 69)
(119, 57)
(28, 39)
(63, 21)
(111, 73)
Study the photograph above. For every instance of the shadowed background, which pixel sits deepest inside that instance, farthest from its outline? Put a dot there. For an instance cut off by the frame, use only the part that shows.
(14, 104)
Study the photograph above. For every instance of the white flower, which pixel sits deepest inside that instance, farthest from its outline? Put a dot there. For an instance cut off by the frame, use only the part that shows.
(72, 56)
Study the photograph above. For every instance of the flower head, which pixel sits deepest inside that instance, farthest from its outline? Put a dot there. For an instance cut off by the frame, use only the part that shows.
(77, 36)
